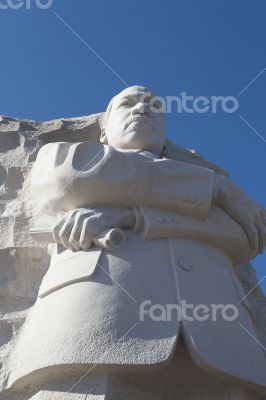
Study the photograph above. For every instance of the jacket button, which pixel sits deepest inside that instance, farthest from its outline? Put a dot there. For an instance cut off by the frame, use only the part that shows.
(185, 264)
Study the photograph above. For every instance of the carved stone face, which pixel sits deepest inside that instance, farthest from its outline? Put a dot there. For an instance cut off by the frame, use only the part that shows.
(135, 122)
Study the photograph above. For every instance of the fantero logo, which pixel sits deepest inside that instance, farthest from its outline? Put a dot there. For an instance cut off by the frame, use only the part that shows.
(26, 4)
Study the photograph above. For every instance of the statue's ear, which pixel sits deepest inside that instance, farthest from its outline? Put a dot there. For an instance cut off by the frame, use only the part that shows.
(103, 137)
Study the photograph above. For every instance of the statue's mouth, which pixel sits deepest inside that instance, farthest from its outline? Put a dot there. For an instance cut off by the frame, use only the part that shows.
(142, 119)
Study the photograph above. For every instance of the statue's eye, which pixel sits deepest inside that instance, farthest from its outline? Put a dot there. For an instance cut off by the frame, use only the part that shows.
(125, 103)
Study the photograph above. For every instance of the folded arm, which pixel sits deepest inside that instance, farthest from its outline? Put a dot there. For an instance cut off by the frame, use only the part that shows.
(217, 230)
(68, 176)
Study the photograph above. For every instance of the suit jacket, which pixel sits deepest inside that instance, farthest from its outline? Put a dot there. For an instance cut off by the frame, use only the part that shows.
(88, 310)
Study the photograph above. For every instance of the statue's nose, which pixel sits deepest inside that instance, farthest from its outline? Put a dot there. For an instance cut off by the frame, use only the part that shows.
(139, 108)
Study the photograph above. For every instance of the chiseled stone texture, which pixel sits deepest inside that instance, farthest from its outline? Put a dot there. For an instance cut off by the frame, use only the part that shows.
(23, 262)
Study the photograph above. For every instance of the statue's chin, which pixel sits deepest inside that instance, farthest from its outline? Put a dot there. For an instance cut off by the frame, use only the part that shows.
(141, 140)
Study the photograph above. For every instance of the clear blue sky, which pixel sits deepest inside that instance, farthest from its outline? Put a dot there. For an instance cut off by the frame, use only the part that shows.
(203, 47)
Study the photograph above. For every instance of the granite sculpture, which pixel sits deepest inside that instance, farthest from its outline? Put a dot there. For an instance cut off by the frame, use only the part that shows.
(187, 232)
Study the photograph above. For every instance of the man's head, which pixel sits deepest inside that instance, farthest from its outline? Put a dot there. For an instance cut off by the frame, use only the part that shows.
(134, 120)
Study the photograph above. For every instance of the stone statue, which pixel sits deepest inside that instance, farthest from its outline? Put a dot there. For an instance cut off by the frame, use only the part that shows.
(186, 225)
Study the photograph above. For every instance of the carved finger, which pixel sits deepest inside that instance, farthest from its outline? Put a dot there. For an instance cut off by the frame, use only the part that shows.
(75, 232)
(86, 235)
(58, 227)
(252, 234)
(262, 234)
(55, 231)
(65, 232)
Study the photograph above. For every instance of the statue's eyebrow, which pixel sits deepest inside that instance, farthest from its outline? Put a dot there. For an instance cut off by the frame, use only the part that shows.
(136, 96)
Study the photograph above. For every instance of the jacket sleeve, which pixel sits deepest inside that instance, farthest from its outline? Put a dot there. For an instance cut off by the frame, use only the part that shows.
(71, 175)
(218, 230)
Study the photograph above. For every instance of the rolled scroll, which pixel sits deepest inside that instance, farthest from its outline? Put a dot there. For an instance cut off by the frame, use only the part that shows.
(110, 239)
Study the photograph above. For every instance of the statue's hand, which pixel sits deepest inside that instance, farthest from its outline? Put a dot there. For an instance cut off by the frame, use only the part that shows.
(77, 228)
(250, 215)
